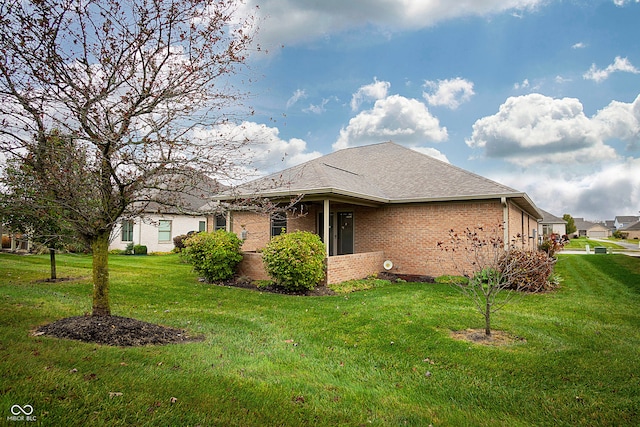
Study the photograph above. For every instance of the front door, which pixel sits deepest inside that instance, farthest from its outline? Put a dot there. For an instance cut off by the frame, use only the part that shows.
(340, 232)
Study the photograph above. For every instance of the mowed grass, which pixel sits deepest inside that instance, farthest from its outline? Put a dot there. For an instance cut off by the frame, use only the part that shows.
(582, 242)
(382, 356)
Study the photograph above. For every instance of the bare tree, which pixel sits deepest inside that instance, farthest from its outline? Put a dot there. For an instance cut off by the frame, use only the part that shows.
(494, 273)
(126, 86)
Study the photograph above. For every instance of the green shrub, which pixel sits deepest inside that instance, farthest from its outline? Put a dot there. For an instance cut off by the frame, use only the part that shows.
(295, 261)
(214, 255)
(619, 234)
(178, 242)
(139, 250)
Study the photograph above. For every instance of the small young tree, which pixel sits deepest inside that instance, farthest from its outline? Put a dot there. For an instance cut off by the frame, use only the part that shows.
(494, 273)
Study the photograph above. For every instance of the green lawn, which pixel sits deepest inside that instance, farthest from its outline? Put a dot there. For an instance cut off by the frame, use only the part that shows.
(581, 242)
(381, 356)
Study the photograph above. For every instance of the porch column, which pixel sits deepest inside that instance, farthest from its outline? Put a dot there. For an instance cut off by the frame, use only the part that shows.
(325, 232)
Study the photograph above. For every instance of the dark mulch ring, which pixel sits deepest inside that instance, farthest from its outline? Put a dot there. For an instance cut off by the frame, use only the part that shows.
(115, 330)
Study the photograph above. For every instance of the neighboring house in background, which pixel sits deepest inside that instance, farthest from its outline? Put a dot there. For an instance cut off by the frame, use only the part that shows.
(623, 221)
(172, 215)
(551, 224)
(610, 224)
(631, 231)
(591, 229)
(380, 202)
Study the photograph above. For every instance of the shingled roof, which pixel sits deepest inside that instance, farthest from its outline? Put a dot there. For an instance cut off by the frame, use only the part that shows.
(380, 173)
(548, 218)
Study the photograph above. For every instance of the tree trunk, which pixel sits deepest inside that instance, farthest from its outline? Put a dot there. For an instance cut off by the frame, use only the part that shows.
(100, 248)
(487, 319)
(52, 257)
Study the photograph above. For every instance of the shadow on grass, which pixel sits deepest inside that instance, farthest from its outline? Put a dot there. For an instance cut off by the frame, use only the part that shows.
(621, 268)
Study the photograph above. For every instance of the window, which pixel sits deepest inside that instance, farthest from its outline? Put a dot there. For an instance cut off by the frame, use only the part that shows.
(278, 223)
(202, 226)
(221, 223)
(164, 230)
(127, 231)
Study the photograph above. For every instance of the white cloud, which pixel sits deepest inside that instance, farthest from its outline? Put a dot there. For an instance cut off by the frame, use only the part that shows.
(624, 2)
(371, 92)
(293, 21)
(598, 194)
(430, 151)
(619, 65)
(622, 121)
(261, 148)
(579, 45)
(449, 93)
(535, 129)
(319, 108)
(297, 96)
(394, 118)
(524, 85)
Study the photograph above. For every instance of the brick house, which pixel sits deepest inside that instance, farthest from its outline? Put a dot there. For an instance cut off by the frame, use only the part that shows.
(375, 203)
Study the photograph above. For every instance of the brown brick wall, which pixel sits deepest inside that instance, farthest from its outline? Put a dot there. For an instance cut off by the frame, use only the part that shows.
(252, 266)
(521, 227)
(258, 228)
(407, 234)
(356, 266)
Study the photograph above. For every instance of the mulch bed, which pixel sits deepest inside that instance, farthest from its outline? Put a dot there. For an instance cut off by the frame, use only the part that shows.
(115, 330)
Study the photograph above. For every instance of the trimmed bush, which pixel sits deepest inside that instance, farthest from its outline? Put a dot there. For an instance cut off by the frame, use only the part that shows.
(214, 255)
(139, 250)
(178, 242)
(295, 261)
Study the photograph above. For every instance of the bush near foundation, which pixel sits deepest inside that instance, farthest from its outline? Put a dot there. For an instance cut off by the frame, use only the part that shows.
(214, 255)
(295, 261)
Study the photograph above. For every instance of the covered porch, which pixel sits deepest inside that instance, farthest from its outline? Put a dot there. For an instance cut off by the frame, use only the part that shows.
(337, 220)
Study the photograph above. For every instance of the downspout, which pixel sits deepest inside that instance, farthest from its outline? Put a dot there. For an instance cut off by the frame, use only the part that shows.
(505, 221)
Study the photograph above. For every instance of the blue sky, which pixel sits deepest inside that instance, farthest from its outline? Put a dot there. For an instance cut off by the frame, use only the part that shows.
(540, 95)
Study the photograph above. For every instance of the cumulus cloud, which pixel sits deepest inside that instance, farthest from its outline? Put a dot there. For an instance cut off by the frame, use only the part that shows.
(430, 151)
(449, 93)
(579, 45)
(396, 118)
(297, 96)
(619, 65)
(624, 2)
(534, 128)
(262, 150)
(371, 92)
(622, 121)
(599, 194)
(293, 21)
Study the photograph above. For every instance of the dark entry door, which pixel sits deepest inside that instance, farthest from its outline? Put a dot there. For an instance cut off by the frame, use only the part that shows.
(340, 232)
(345, 233)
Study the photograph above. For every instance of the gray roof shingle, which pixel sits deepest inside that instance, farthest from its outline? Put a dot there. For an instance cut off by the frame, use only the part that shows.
(383, 173)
